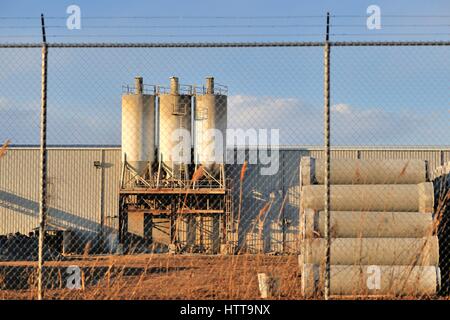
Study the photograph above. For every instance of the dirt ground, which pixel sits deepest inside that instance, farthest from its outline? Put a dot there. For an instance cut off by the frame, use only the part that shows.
(154, 276)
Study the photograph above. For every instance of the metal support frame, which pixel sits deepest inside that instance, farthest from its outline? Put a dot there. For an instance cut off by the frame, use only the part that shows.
(172, 204)
(123, 219)
(326, 93)
(43, 163)
(172, 223)
(227, 44)
(170, 199)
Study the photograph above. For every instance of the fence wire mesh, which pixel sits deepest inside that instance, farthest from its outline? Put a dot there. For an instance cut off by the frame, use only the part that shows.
(146, 201)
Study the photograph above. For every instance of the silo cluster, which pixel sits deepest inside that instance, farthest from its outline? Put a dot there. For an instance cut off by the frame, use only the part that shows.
(165, 129)
(169, 134)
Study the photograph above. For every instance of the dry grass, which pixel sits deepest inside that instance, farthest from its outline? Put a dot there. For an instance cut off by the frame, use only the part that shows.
(164, 276)
(4, 148)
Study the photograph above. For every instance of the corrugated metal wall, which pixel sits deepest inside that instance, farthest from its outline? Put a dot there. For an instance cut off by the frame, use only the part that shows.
(85, 198)
(111, 180)
(80, 195)
(71, 206)
(19, 189)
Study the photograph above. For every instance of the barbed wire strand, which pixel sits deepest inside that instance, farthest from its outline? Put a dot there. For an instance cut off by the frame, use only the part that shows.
(223, 26)
(230, 17)
(224, 35)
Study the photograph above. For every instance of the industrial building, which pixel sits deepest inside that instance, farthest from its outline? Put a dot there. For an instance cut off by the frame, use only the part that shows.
(84, 184)
(161, 191)
(170, 187)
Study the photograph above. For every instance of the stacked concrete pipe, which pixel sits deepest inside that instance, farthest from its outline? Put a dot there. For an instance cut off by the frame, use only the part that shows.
(383, 240)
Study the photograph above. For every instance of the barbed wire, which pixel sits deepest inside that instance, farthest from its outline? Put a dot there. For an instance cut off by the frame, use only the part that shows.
(166, 35)
(227, 35)
(223, 26)
(229, 17)
(439, 28)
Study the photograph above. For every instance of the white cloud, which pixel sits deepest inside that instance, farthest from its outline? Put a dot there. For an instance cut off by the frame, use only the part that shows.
(6, 104)
(3, 103)
(302, 123)
(298, 122)
(340, 108)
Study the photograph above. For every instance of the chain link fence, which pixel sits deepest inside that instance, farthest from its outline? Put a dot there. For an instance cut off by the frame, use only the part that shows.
(185, 170)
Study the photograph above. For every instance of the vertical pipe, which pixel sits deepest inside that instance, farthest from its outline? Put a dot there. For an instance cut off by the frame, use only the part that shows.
(121, 214)
(174, 86)
(43, 163)
(327, 158)
(102, 197)
(139, 84)
(283, 195)
(210, 85)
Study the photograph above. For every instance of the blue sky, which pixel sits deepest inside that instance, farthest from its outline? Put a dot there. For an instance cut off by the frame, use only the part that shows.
(182, 10)
(380, 96)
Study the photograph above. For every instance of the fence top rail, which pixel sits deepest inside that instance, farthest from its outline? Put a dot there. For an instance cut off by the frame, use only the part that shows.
(444, 148)
(163, 45)
(224, 44)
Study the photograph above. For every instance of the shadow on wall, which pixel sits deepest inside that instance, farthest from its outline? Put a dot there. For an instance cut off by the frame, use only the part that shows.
(269, 205)
(85, 234)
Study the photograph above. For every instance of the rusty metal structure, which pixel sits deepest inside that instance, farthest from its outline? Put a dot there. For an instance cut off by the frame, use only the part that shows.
(170, 193)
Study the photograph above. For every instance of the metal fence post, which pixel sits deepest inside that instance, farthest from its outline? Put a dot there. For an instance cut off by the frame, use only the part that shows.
(43, 163)
(326, 94)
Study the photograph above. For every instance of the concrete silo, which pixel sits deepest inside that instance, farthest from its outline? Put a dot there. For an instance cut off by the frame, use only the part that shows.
(174, 121)
(138, 129)
(210, 130)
